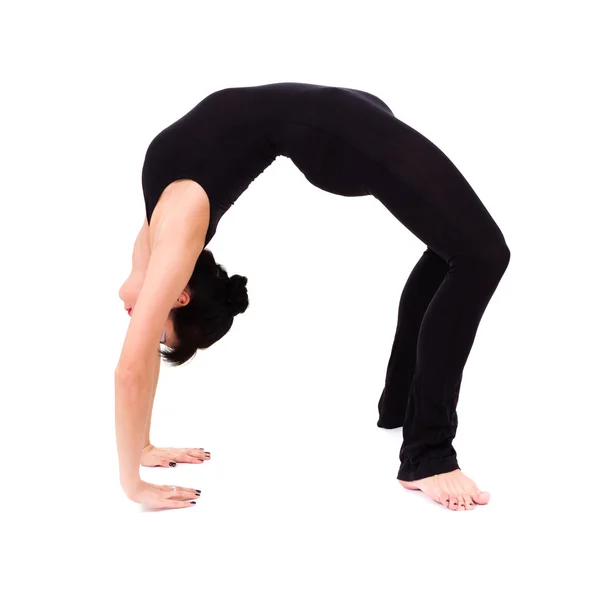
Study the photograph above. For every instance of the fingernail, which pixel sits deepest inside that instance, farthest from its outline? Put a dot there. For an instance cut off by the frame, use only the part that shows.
(172, 464)
(192, 502)
(201, 460)
(198, 491)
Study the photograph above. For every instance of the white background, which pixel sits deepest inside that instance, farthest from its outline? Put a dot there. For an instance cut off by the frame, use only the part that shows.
(300, 499)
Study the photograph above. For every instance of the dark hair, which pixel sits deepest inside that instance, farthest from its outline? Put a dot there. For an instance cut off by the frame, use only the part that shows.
(215, 298)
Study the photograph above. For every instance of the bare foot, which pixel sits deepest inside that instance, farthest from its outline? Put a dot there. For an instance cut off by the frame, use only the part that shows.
(454, 490)
(168, 457)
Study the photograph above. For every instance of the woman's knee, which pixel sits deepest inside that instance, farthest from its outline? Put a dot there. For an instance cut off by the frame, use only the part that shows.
(493, 255)
(497, 255)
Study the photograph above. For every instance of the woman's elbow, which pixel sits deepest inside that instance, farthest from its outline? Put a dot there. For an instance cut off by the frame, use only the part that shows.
(128, 375)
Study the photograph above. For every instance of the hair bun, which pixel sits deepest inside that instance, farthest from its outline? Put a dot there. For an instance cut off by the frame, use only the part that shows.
(237, 293)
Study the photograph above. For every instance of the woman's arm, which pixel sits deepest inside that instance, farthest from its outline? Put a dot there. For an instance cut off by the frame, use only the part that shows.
(132, 403)
(139, 264)
(155, 375)
(176, 240)
(141, 250)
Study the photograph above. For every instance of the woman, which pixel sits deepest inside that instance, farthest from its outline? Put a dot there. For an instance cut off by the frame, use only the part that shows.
(347, 142)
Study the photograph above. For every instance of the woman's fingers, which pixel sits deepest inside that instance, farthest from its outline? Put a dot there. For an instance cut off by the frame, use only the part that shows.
(178, 488)
(163, 496)
(169, 457)
(198, 454)
(190, 455)
(180, 493)
(157, 461)
(177, 504)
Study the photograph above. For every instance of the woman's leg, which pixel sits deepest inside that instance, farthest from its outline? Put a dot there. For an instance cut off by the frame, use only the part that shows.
(422, 284)
(434, 201)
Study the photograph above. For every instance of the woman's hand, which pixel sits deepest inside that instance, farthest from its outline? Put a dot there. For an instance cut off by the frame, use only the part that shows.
(167, 457)
(162, 496)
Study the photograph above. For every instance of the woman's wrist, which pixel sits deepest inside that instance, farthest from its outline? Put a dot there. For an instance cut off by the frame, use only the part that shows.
(129, 484)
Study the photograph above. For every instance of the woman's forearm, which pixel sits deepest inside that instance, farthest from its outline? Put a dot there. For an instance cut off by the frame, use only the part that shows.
(132, 403)
(155, 374)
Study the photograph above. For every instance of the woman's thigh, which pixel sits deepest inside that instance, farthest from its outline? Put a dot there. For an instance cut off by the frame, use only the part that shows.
(365, 148)
(436, 203)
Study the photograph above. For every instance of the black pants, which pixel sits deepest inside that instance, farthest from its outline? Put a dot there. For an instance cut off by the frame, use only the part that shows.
(441, 305)
(351, 143)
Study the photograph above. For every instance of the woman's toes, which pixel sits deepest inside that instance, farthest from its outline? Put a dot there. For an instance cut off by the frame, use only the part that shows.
(461, 503)
(480, 497)
(469, 504)
(442, 498)
(453, 503)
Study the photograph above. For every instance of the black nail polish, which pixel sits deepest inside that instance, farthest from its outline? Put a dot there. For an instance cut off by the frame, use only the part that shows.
(197, 494)
(192, 502)
(199, 491)
(172, 464)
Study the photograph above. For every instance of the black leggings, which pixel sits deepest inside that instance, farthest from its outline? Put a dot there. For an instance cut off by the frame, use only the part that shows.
(351, 143)
(443, 301)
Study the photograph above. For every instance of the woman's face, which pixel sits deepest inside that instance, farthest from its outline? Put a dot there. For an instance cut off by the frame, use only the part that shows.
(129, 292)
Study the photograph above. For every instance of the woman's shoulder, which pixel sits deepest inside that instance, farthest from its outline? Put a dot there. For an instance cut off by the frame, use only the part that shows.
(183, 200)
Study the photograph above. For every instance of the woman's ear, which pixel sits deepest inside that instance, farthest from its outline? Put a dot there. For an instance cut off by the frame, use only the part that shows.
(184, 298)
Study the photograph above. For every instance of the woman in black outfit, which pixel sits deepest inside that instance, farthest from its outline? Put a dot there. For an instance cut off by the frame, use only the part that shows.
(347, 142)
